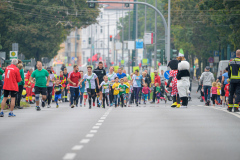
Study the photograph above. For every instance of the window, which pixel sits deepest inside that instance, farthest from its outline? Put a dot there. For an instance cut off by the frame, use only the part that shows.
(96, 29)
(101, 30)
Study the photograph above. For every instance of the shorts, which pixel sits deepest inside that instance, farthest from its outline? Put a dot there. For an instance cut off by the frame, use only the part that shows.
(98, 90)
(85, 96)
(91, 92)
(41, 90)
(12, 93)
(58, 96)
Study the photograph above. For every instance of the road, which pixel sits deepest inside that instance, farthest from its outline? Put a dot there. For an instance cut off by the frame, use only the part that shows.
(150, 132)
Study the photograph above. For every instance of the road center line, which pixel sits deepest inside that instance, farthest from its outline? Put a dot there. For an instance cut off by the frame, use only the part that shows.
(98, 124)
(93, 131)
(77, 147)
(69, 156)
(84, 140)
(89, 135)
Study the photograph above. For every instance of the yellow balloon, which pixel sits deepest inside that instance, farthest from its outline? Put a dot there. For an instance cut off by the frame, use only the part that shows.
(24, 92)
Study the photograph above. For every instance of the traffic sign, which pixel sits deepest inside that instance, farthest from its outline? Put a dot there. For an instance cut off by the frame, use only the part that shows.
(148, 38)
(167, 74)
(233, 55)
(210, 59)
(13, 54)
(139, 44)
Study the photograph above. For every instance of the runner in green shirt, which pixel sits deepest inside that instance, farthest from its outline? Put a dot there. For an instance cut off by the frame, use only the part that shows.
(42, 81)
(122, 92)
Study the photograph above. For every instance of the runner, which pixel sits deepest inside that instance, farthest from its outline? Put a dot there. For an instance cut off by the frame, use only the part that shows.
(50, 86)
(122, 92)
(91, 85)
(58, 90)
(81, 88)
(65, 74)
(128, 93)
(20, 87)
(74, 79)
(28, 86)
(137, 84)
(105, 90)
(41, 84)
(10, 86)
(120, 74)
(100, 72)
(116, 92)
(111, 77)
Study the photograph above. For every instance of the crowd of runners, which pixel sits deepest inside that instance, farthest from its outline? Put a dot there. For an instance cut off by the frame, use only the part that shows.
(103, 88)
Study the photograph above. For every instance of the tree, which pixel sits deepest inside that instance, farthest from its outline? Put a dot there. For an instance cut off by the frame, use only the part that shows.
(32, 24)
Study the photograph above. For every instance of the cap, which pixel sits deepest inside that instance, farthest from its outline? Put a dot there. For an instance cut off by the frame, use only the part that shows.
(155, 71)
(207, 68)
(48, 69)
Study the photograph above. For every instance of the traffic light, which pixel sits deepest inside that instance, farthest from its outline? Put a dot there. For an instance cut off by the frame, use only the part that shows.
(127, 5)
(91, 5)
(111, 38)
(89, 41)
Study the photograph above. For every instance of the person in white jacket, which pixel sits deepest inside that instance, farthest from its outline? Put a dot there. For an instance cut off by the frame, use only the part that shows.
(206, 80)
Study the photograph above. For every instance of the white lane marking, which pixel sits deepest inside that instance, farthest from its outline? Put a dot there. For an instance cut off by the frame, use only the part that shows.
(93, 131)
(98, 124)
(69, 156)
(104, 115)
(225, 110)
(95, 127)
(77, 147)
(199, 105)
(103, 118)
(89, 135)
(84, 140)
(101, 121)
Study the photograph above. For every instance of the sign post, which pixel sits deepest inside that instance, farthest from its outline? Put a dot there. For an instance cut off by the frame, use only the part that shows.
(13, 55)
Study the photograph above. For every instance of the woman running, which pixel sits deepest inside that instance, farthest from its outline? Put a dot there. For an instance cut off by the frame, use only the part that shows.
(90, 85)
(137, 84)
(50, 86)
(111, 78)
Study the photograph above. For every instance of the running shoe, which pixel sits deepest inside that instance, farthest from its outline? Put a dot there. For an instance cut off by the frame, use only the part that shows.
(11, 114)
(57, 106)
(93, 104)
(84, 104)
(1, 114)
(137, 104)
(72, 106)
(111, 104)
(38, 108)
(43, 103)
(49, 106)
(80, 105)
(229, 109)
(236, 109)
(90, 107)
(99, 104)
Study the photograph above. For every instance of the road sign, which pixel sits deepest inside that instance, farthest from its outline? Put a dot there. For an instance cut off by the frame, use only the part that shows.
(233, 55)
(148, 38)
(167, 74)
(210, 59)
(3, 55)
(139, 44)
(13, 54)
(118, 46)
(15, 46)
(73, 58)
(216, 53)
(131, 45)
(216, 59)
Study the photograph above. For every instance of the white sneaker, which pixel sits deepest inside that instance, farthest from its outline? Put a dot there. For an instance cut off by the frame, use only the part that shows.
(48, 106)
(183, 107)
(223, 104)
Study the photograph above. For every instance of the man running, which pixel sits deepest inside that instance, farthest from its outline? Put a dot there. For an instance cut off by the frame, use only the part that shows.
(100, 72)
(12, 77)
(41, 84)
(74, 78)
(90, 85)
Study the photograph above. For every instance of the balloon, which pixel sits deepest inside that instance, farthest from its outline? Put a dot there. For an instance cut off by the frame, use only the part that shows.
(24, 92)
(159, 64)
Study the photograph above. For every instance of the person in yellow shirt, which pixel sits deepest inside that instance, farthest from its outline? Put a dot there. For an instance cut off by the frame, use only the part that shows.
(128, 94)
(116, 92)
(218, 93)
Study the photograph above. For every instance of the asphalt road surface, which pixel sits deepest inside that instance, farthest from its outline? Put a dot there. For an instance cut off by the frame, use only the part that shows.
(148, 132)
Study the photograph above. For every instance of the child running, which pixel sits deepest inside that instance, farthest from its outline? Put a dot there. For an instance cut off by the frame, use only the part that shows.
(116, 92)
(105, 90)
(158, 92)
(122, 92)
(58, 90)
(219, 93)
(85, 95)
(128, 94)
(214, 92)
(226, 89)
(145, 91)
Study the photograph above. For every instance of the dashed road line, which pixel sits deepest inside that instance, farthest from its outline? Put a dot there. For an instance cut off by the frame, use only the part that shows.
(71, 156)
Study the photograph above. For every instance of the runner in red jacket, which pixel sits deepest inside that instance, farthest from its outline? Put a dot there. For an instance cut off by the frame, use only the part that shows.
(12, 77)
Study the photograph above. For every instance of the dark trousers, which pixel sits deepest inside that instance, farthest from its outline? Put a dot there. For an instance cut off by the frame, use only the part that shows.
(49, 94)
(105, 98)
(154, 94)
(1, 85)
(111, 96)
(19, 95)
(176, 98)
(234, 89)
(81, 97)
(74, 94)
(136, 92)
(65, 94)
(207, 92)
(214, 97)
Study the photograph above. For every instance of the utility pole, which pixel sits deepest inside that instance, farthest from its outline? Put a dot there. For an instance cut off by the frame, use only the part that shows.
(145, 28)
(108, 44)
(136, 34)
(75, 44)
(91, 45)
(167, 53)
(122, 34)
(155, 46)
(129, 31)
